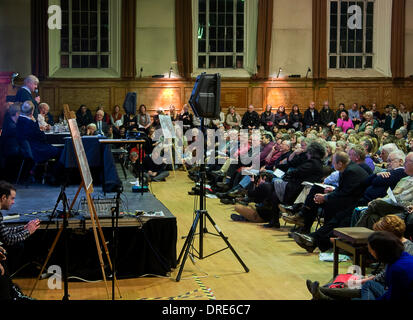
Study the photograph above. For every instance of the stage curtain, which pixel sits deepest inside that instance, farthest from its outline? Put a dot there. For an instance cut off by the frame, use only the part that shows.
(319, 39)
(39, 38)
(264, 33)
(398, 25)
(183, 34)
(128, 39)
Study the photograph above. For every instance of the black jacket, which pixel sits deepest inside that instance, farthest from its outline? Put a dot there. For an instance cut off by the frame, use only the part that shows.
(310, 170)
(327, 116)
(350, 188)
(398, 122)
(309, 120)
(23, 95)
(250, 119)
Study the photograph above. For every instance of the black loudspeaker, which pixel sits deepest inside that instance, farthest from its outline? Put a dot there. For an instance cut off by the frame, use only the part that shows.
(206, 95)
(130, 103)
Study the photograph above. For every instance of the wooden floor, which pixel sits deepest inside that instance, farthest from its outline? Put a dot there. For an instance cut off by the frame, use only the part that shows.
(278, 267)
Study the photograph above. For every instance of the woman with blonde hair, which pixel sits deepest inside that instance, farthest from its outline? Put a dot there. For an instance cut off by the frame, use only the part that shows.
(233, 119)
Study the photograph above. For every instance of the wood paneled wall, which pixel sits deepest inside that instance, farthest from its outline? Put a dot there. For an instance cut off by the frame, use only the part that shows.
(240, 93)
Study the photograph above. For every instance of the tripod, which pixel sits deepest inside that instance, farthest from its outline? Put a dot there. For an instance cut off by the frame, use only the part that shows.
(66, 214)
(200, 217)
(115, 228)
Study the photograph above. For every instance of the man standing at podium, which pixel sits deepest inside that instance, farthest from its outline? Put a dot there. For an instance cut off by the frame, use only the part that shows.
(26, 93)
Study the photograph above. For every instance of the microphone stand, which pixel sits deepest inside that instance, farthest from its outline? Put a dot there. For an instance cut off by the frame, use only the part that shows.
(115, 228)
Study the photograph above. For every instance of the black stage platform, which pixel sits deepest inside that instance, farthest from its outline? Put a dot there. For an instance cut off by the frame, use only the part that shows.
(146, 243)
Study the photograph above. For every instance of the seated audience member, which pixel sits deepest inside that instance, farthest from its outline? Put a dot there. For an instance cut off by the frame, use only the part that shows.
(340, 109)
(186, 117)
(368, 121)
(393, 122)
(173, 113)
(281, 118)
(233, 119)
(388, 249)
(91, 129)
(373, 286)
(28, 130)
(409, 125)
(153, 170)
(327, 116)
(357, 155)
(10, 236)
(384, 153)
(376, 113)
(311, 117)
(105, 117)
(102, 127)
(116, 118)
(401, 203)
(260, 192)
(267, 119)
(250, 119)
(295, 119)
(344, 122)
(144, 118)
(156, 121)
(83, 118)
(216, 123)
(287, 190)
(404, 113)
(41, 118)
(378, 184)
(10, 147)
(338, 204)
(354, 114)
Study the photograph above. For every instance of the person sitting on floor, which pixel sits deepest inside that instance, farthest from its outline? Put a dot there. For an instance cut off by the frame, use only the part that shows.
(155, 166)
(260, 192)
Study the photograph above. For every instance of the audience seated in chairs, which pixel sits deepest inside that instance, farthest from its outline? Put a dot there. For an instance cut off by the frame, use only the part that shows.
(11, 149)
(338, 204)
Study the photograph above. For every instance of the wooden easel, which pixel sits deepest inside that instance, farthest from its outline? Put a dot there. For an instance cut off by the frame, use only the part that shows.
(88, 186)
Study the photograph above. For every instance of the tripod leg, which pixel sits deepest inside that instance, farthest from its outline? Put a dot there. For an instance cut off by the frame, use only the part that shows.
(47, 259)
(187, 245)
(99, 251)
(102, 237)
(227, 242)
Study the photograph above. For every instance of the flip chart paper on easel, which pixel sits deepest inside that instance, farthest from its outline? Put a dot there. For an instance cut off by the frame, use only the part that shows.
(167, 126)
(80, 152)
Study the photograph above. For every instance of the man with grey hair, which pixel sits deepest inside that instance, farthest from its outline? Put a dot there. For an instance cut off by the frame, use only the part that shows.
(102, 127)
(28, 130)
(378, 184)
(25, 93)
(398, 202)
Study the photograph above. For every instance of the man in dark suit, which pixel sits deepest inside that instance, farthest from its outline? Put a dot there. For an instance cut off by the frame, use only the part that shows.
(25, 93)
(393, 122)
(102, 127)
(311, 116)
(28, 130)
(338, 204)
(250, 119)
